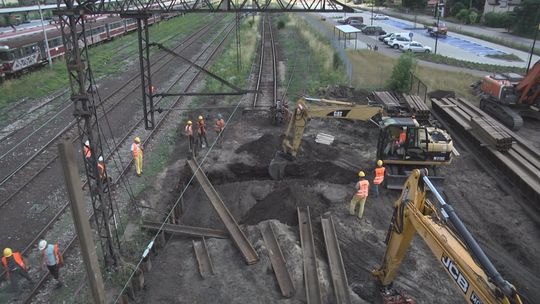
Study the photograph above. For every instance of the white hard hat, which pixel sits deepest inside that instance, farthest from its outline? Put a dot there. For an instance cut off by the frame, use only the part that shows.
(100, 158)
(42, 244)
(87, 143)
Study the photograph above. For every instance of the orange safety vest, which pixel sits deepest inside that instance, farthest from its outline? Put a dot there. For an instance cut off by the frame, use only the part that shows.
(363, 187)
(189, 130)
(201, 124)
(59, 259)
(87, 152)
(101, 168)
(402, 138)
(379, 175)
(18, 259)
(220, 123)
(136, 149)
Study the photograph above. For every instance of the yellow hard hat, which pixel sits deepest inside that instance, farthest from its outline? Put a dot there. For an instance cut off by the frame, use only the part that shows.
(137, 139)
(8, 252)
(189, 122)
(361, 174)
(379, 163)
(200, 117)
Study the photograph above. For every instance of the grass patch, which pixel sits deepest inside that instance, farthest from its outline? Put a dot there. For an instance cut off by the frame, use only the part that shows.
(492, 68)
(311, 55)
(105, 60)
(509, 57)
(371, 70)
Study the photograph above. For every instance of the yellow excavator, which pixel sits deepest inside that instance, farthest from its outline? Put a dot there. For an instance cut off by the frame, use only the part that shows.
(452, 244)
(424, 147)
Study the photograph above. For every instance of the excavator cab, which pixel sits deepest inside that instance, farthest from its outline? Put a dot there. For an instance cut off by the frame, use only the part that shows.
(404, 145)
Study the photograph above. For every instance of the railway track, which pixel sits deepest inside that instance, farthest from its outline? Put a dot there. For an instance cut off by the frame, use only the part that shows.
(521, 164)
(205, 57)
(267, 74)
(40, 160)
(311, 274)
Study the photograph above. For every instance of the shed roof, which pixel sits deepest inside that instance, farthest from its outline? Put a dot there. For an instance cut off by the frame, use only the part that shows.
(347, 29)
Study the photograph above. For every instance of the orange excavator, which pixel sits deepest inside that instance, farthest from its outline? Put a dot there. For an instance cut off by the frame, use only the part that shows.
(510, 96)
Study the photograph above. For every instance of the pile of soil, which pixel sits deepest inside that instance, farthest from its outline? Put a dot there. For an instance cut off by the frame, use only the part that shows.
(263, 148)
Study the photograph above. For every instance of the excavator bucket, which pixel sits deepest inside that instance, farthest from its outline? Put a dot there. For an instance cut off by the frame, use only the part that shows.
(396, 182)
(276, 169)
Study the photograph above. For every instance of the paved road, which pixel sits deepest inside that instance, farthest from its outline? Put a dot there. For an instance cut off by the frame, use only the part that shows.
(455, 45)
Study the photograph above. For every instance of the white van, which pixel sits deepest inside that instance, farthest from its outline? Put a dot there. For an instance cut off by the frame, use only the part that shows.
(395, 35)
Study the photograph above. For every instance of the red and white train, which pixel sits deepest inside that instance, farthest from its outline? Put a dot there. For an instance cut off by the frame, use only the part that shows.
(21, 53)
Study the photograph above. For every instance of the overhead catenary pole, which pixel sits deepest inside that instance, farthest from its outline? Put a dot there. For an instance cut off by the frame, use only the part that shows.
(372, 4)
(437, 27)
(45, 35)
(80, 220)
(534, 41)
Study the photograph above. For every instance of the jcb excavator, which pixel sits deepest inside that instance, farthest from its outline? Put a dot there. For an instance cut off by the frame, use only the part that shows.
(425, 146)
(509, 96)
(449, 240)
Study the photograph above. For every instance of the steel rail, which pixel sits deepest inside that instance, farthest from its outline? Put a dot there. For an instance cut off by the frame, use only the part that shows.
(185, 230)
(335, 260)
(44, 278)
(266, 43)
(206, 268)
(311, 274)
(181, 46)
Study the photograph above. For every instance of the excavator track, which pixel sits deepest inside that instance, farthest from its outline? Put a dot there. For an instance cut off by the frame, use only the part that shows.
(503, 113)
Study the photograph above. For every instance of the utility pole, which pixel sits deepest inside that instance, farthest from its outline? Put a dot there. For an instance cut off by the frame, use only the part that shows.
(534, 41)
(45, 35)
(372, 4)
(80, 219)
(437, 27)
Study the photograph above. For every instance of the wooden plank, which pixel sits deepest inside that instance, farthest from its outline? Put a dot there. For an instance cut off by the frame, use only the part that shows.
(278, 261)
(335, 260)
(311, 275)
(238, 236)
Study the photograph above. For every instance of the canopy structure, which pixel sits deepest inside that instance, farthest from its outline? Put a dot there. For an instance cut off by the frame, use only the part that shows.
(347, 31)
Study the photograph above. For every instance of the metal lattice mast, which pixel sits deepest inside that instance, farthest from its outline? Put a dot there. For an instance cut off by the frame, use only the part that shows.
(81, 84)
(146, 80)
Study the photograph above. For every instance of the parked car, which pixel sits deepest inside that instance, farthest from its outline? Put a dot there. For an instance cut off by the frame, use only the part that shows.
(397, 41)
(414, 46)
(348, 20)
(357, 24)
(379, 17)
(394, 35)
(373, 30)
(381, 37)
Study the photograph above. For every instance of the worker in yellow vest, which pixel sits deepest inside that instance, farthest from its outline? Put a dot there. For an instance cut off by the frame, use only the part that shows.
(15, 268)
(379, 177)
(362, 189)
(188, 131)
(137, 151)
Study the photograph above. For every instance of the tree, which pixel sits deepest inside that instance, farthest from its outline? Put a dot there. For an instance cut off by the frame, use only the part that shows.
(401, 78)
(525, 17)
(414, 3)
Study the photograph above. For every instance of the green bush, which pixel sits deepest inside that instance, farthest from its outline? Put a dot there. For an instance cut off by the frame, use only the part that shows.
(493, 19)
(456, 8)
(473, 17)
(280, 24)
(463, 16)
(401, 78)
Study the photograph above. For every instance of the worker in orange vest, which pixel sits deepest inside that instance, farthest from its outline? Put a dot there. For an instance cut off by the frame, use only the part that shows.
(188, 131)
(105, 179)
(201, 131)
(15, 268)
(400, 141)
(379, 177)
(137, 151)
(362, 189)
(220, 124)
(52, 258)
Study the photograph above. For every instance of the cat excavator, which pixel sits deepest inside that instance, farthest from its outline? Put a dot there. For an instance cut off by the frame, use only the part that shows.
(452, 244)
(425, 146)
(509, 96)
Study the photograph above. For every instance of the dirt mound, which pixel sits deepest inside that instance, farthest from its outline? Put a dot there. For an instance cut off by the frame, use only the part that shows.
(264, 148)
(281, 204)
(343, 92)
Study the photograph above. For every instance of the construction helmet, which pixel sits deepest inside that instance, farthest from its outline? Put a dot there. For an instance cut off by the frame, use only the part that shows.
(137, 139)
(189, 122)
(200, 117)
(379, 163)
(8, 252)
(404, 128)
(361, 174)
(100, 158)
(87, 143)
(42, 244)
(220, 116)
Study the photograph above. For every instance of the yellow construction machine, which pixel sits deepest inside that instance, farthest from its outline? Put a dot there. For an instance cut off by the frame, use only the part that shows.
(425, 146)
(449, 240)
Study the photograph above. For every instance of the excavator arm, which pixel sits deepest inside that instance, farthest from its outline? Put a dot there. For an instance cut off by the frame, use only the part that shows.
(458, 252)
(298, 122)
(529, 87)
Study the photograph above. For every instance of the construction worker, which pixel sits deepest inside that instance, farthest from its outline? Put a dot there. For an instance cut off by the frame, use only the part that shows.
(87, 151)
(400, 141)
(361, 195)
(379, 177)
(105, 180)
(15, 268)
(137, 151)
(188, 131)
(201, 131)
(52, 258)
(220, 124)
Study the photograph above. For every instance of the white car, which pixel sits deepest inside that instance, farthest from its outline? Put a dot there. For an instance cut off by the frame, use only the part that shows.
(414, 46)
(398, 41)
(379, 17)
